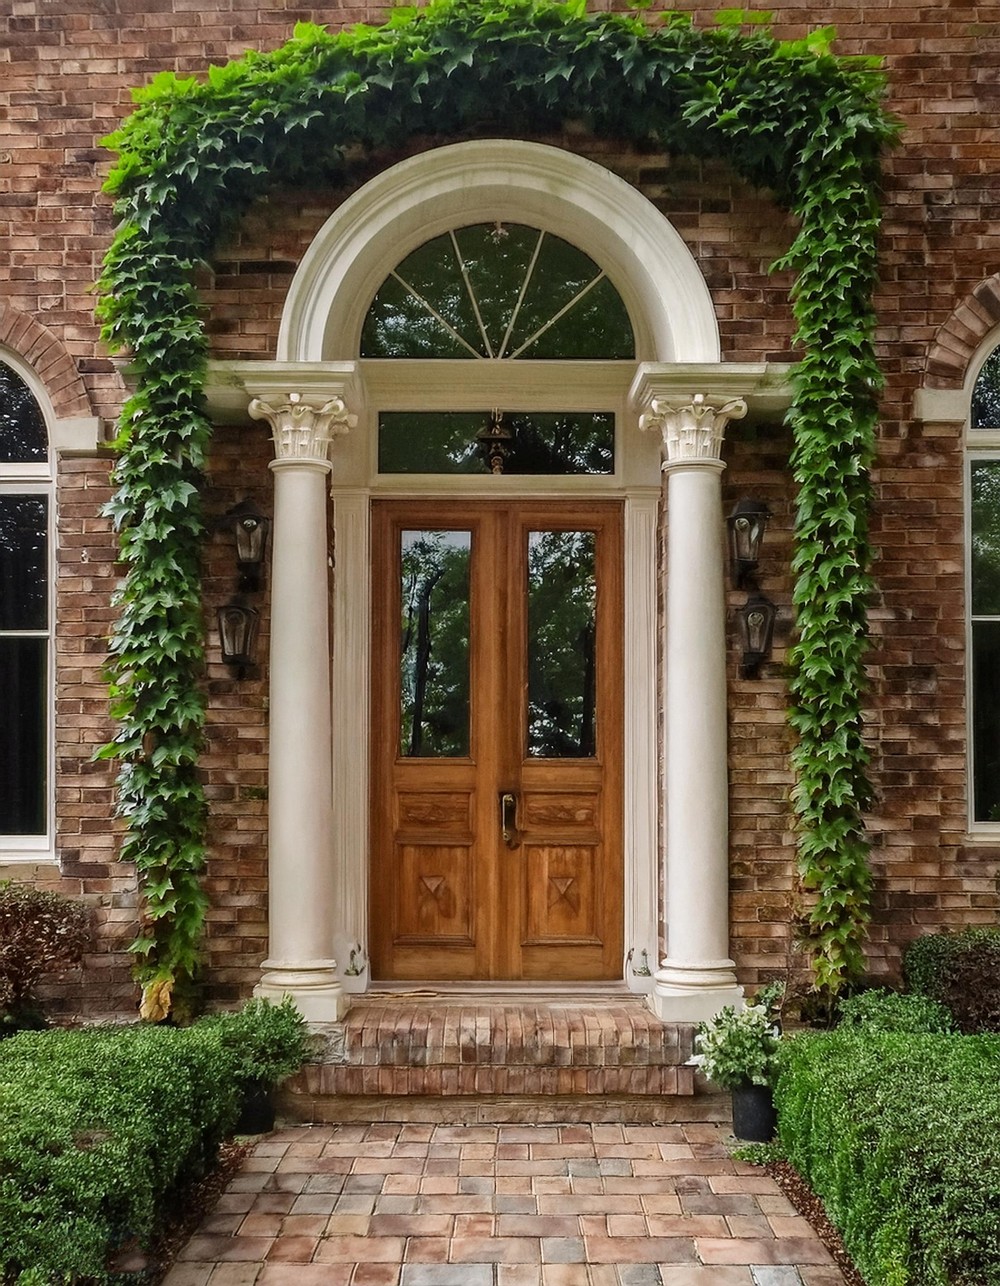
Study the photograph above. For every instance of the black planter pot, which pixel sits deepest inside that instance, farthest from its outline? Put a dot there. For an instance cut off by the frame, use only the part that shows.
(257, 1112)
(754, 1117)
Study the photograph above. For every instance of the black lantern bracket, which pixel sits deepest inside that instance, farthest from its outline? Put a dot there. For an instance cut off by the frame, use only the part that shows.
(251, 529)
(747, 524)
(238, 625)
(756, 621)
(494, 441)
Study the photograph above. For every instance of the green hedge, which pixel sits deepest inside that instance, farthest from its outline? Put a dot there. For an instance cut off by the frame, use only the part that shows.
(962, 972)
(899, 1136)
(100, 1126)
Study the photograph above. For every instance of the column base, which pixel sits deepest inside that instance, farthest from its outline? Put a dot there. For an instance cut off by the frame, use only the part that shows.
(313, 988)
(694, 991)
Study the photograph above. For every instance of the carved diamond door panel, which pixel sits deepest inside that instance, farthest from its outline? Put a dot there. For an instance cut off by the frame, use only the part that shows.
(497, 741)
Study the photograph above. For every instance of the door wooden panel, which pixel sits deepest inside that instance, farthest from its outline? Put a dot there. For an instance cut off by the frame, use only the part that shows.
(451, 898)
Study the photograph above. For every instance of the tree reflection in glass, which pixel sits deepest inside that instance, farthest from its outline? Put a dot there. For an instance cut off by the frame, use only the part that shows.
(23, 562)
(498, 291)
(22, 428)
(985, 549)
(23, 662)
(985, 538)
(986, 394)
(550, 442)
(562, 634)
(434, 658)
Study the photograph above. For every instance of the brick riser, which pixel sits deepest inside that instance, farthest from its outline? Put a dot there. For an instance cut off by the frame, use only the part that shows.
(438, 1049)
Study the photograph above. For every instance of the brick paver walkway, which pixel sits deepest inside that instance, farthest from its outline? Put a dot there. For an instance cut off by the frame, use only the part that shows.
(501, 1205)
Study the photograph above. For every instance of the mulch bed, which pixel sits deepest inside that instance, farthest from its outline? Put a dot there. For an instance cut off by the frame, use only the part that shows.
(808, 1204)
(181, 1222)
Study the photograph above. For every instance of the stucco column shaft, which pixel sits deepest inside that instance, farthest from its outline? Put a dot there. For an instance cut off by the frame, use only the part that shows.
(300, 959)
(697, 977)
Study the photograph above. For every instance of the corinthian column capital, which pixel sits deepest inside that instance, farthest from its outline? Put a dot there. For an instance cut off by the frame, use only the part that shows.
(303, 428)
(692, 426)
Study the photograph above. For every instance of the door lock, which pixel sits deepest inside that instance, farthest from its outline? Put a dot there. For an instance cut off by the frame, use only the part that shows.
(508, 819)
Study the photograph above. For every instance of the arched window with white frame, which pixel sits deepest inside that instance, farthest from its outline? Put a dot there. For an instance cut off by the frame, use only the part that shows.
(26, 612)
(983, 589)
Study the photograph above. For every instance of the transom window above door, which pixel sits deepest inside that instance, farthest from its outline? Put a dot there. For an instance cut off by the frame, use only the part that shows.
(498, 291)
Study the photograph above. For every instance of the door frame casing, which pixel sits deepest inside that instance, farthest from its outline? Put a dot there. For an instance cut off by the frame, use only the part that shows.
(351, 694)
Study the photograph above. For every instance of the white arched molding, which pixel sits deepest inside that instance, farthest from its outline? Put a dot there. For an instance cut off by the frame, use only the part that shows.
(480, 182)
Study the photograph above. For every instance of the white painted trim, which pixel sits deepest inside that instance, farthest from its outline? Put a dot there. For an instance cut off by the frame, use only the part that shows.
(76, 435)
(642, 865)
(478, 182)
(940, 405)
(351, 696)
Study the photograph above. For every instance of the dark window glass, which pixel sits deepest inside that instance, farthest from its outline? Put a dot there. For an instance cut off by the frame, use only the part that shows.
(498, 291)
(986, 394)
(986, 720)
(22, 428)
(557, 442)
(562, 633)
(434, 663)
(23, 562)
(23, 700)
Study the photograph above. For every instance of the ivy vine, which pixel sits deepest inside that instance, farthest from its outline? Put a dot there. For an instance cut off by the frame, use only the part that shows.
(789, 117)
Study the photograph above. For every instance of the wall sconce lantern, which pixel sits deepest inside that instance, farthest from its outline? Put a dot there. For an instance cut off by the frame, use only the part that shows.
(495, 441)
(756, 622)
(747, 524)
(238, 635)
(251, 528)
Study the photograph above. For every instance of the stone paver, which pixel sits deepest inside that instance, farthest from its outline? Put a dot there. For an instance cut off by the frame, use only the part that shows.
(503, 1205)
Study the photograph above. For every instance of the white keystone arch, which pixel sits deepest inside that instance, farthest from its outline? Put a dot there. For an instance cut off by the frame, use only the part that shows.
(477, 182)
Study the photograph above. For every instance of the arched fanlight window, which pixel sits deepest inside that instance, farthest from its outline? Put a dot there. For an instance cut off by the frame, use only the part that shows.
(498, 291)
(25, 511)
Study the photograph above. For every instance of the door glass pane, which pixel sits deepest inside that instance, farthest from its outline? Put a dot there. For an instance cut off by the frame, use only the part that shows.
(552, 442)
(434, 666)
(23, 562)
(985, 538)
(22, 736)
(562, 631)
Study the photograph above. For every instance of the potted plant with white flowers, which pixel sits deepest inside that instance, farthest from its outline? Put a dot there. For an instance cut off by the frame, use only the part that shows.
(737, 1049)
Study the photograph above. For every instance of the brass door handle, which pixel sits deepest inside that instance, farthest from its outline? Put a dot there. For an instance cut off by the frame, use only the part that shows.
(508, 818)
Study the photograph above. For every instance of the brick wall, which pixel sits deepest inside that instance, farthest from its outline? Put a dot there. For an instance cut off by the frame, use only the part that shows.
(66, 71)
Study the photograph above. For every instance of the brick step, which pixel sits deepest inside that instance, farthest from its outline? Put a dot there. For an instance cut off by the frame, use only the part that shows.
(444, 1047)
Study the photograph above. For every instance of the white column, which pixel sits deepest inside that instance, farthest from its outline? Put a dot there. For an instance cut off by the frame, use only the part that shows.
(300, 961)
(697, 977)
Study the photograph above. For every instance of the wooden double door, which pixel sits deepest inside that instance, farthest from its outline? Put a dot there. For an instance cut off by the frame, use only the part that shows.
(497, 741)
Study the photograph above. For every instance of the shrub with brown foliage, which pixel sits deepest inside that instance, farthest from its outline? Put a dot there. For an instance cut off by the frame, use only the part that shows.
(962, 971)
(40, 933)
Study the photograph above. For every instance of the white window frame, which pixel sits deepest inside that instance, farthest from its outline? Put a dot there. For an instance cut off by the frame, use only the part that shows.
(22, 479)
(980, 445)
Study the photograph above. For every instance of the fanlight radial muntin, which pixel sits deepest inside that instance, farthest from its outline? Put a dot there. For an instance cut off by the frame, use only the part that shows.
(498, 291)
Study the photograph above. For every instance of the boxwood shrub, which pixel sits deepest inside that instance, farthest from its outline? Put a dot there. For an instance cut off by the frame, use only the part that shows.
(883, 1010)
(899, 1136)
(100, 1126)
